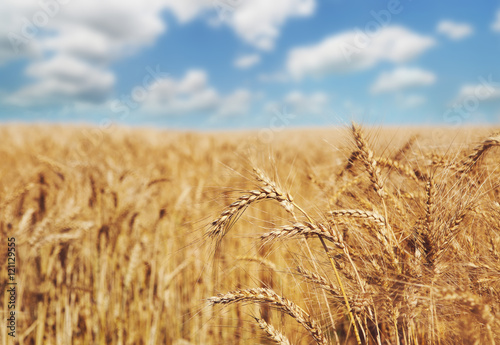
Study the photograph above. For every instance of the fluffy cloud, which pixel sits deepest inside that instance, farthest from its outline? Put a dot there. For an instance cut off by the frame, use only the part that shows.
(75, 42)
(129, 24)
(402, 78)
(454, 30)
(315, 103)
(258, 22)
(355, 50)
(190, 94)
(81, 28)
(64, 79)
(247, 61)
(495, 26)
(90, 34)
(193, 94)
(479, 92)
(13, 41)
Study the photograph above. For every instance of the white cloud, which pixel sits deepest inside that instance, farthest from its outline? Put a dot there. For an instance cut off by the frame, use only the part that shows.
(193, 94)
(172, 97)
(454, 30)
(83, 43)
(247, 61)
(495, 26)
(82, 28)
(402, 78)
(94, 33)
(354, 50)
(316, 103)
(64, 79)
(14, 42)
(258, 22)
(74, 43)
(479, 92)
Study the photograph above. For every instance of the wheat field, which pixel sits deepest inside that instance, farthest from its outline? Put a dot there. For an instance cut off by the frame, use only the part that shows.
(353, 235)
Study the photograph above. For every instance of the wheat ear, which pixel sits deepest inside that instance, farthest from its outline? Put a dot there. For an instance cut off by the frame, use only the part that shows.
(319, 281)
(301, 229)
(401, 168)
(273, 334)
(267, 296)
(470, 161)
(379, 220)
(402, 151)
(384, 230)
(267, 191)
(366, 156)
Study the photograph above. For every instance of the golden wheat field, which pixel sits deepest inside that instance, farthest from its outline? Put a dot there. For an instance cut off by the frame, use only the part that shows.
(353, 235)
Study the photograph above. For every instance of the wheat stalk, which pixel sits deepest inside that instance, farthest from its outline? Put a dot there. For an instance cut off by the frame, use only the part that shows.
(267, 296)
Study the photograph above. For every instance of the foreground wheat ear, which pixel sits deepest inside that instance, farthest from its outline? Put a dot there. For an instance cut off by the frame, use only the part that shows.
(261, 295)
(394, 261)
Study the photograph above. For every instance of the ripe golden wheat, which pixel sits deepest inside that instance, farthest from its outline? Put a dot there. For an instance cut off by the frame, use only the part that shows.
(392, 238)
(396, 273)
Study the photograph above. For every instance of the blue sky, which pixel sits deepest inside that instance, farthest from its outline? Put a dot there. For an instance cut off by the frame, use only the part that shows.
(219, 64)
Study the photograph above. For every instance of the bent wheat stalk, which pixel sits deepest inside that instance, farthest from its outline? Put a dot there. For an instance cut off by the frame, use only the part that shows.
(267, 296)
(470, 161)
(268, 191)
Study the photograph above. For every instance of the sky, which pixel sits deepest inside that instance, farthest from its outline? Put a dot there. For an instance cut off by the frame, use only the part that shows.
(236, 64)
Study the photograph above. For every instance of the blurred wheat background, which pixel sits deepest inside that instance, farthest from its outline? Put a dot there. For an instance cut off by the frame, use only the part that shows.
(136, 239)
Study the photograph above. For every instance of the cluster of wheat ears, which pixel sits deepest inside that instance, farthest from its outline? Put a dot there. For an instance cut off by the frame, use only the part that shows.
(413, 259)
